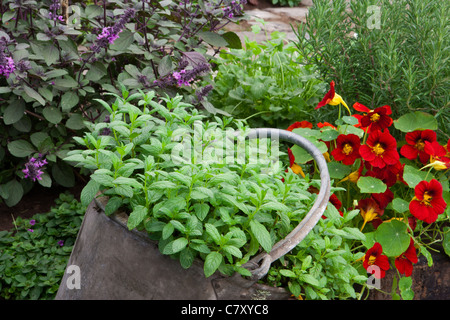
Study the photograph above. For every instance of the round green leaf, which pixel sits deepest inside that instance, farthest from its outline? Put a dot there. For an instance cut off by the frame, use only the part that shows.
(338, 170)
(400, 205)
(416, 121)
(393, 237)
(371, 185)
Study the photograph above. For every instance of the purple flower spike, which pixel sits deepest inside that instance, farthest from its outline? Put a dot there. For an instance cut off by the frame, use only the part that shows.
(32, 168)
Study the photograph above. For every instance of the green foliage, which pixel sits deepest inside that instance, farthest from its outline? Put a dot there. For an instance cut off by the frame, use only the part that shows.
(32, 256)
(383, 52)
(267, 83)
(285, 3)
(164, 166)
(61, 67)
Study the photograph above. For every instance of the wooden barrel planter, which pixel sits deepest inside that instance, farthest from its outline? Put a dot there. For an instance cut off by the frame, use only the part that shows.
(110, 262)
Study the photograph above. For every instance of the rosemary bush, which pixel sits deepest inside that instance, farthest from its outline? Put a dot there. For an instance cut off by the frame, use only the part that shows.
(383, 52)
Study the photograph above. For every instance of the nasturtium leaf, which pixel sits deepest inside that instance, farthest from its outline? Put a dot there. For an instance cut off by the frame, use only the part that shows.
(338, 170)
(400, 205)
(393, 237)
(371, 185)
(413, 176)
(416, 121)
(303, 156)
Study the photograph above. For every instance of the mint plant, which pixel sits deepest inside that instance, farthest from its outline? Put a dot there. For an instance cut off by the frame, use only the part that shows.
(56, 59)
(163, 164)
(34, 254)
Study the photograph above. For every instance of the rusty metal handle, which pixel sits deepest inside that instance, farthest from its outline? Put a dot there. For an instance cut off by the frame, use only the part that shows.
(260, 264)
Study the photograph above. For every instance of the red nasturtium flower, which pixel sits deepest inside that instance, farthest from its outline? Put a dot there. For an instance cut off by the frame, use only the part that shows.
(438, 155)
(347, 149)
(374, 256)
(300, 124)
(332, 98)
(427, 203)
(416, 145)
(404, 262)
(377, 119)
(380, 149)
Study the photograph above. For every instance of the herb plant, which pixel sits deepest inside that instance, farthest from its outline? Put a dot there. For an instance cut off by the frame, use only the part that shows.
(383, 53)
(34, 255)
(266, 83)
(198, 206)
(56, 59)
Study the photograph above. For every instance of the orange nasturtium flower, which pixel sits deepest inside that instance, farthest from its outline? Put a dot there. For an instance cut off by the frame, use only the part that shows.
(374, 256)
(332, 98)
